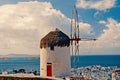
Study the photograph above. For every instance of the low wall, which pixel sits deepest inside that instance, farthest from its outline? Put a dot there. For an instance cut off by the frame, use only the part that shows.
(20, 78)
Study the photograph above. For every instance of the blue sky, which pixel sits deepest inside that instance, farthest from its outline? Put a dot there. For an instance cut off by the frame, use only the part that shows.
(99, 17)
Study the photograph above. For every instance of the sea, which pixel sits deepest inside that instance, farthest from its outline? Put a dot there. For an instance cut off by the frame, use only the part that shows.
(33, 64)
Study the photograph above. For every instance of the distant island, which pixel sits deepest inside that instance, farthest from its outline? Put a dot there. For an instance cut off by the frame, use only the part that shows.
(10, 56)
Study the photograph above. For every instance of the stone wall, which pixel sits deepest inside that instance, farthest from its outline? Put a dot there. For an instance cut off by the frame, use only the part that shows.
(23, 78)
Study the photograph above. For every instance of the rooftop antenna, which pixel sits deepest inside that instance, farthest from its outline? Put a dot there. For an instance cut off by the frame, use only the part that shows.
(75, 38)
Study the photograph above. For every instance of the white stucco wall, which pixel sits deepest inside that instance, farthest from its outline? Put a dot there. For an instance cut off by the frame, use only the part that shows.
(113, 76)
(60, 59)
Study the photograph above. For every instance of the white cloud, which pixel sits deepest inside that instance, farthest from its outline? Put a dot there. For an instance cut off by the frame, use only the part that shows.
(22, 25)
(110, 39)
(86, 30)
(98, 4)
(107, 43)
(102, 22)
(111, 35)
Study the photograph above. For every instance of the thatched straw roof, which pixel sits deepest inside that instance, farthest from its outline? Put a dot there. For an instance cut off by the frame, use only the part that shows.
(55, 38)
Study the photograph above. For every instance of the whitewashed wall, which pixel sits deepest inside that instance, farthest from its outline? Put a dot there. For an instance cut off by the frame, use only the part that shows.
(60, 59)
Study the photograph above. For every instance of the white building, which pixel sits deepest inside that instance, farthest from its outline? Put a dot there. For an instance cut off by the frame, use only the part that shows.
(113, 76)
(55, 54)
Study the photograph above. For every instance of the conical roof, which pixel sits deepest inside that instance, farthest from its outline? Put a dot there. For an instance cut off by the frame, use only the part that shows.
(55, 38)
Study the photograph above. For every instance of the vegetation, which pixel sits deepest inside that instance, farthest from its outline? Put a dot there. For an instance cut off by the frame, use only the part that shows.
(22, 71)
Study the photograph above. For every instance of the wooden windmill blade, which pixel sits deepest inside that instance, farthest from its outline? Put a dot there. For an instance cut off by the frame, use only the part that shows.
(88, 39)
(75, 38)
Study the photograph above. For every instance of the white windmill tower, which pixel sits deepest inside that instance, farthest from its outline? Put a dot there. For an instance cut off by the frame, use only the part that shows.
(55, 54)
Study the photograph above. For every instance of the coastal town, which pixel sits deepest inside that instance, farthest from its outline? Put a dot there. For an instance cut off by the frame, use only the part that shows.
(95, 72)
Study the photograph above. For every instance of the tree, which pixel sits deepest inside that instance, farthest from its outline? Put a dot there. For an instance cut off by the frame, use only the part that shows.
(22, 71)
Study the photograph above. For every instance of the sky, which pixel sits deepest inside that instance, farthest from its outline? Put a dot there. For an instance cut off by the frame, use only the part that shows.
(23, 23)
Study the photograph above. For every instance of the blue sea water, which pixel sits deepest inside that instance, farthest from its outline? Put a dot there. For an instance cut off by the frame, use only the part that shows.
(103, 60)
(34, 63)
(29, 64)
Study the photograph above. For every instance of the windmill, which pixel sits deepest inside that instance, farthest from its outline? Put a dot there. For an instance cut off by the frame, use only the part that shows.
(75, 39)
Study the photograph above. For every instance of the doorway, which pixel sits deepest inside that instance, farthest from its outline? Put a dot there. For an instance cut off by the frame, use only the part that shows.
(49, 69)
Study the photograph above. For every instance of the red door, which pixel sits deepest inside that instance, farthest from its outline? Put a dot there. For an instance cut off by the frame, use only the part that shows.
(49, 69)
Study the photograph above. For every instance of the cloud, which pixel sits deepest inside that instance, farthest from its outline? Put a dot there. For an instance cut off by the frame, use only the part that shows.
(110, 39)
(102, 22)
(22, 26)
(86, 30)
(107, 43)
(98, 4)
(96, 13)
(110, 35)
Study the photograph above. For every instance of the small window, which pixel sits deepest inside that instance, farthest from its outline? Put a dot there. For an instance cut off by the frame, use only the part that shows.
(48, 63)
(52, 48)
